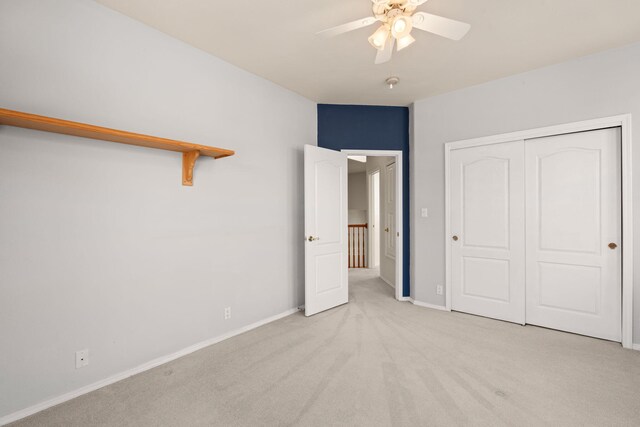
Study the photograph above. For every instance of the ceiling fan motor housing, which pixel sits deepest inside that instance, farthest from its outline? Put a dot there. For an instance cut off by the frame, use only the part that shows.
(386, 11)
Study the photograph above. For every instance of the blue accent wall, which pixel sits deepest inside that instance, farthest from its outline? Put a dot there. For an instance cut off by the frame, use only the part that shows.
(371, 128)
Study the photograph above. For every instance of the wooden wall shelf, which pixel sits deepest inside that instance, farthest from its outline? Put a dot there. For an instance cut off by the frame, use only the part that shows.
(190, 152)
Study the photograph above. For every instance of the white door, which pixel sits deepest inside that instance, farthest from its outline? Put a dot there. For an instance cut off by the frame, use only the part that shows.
(487, 226)
(326, 229)
(374, 219)
(390, 211)
(574, 233)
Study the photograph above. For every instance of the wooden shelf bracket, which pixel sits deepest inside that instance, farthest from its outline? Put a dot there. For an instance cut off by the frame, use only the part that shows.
(190, 152)
(188, 163)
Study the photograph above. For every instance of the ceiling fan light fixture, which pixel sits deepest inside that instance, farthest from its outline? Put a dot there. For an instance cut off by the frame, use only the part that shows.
(397, 19)
(405, 41)
(380, 37)
(401, 26)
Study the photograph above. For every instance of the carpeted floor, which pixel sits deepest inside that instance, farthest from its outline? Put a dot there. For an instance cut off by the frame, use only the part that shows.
(376, 361)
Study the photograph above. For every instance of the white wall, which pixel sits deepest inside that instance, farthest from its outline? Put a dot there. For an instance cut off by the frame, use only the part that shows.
(387, 265)
(358, 198)
(601, 85)
(358, 191)
(101, 247)
(357, 216)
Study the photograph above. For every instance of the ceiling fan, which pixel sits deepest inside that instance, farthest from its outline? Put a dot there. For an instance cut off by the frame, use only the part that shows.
(398, 19)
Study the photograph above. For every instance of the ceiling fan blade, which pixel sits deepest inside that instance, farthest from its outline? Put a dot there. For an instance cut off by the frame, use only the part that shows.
(445, 27)
(384, 55)
(349, 26)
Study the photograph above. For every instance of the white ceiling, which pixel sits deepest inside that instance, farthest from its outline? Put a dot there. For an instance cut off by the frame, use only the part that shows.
(276, 40)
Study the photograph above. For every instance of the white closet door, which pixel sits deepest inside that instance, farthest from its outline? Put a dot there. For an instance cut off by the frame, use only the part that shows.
(487, 225)
(574, 232)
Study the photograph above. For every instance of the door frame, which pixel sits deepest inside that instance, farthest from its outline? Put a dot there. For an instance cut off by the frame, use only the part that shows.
(622, 121)
(399, 210)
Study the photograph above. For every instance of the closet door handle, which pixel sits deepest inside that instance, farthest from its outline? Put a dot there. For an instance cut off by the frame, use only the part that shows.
(612, 246)
(455, 238)
(386, 229)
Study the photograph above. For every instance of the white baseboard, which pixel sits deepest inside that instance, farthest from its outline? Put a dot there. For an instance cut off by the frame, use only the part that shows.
(388, 282)
(427, 305)
(138, 369)
(636, 347)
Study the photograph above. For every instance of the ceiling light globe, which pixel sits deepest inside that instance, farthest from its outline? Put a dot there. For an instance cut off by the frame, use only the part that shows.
(379, 38)
(405, 41)
(401, 26)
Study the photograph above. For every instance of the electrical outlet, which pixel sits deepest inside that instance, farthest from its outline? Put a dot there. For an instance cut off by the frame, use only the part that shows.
(227, 313)
(439, 289)
(425, 213)
(82, 358)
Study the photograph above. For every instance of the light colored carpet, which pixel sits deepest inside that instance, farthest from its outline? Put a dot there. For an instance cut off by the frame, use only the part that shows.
(376, 361)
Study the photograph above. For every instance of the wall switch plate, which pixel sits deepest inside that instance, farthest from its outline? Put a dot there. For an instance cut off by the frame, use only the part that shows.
(227, 313)
(439, 289)
(82, 358)
(425, 213)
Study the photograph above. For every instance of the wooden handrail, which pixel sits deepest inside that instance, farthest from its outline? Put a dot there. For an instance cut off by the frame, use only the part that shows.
(49, 124)
(357, 245)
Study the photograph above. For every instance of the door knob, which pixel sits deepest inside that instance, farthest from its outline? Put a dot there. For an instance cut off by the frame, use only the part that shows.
(612, 246)
(455, 238)
(386, 229)
(311, 238)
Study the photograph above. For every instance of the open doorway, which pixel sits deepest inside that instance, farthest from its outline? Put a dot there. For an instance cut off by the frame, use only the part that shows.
(375, 217)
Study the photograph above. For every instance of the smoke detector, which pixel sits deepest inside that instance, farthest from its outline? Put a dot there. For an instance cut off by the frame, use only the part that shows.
(392, 81)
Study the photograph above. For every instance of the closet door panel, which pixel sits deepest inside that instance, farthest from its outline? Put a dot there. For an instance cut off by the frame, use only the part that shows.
(573, 214)
(487, 226)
